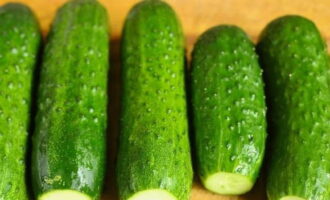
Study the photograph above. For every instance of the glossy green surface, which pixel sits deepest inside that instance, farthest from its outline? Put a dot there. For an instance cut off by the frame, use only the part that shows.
(228, 104)
(154, 148)
(296, 66)
(69, 140)
(19, 45)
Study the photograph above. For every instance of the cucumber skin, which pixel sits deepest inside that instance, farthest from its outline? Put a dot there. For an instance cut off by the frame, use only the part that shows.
(154, 150)
(228, 103)
(299, 108)
(69, 139)
(19, 45)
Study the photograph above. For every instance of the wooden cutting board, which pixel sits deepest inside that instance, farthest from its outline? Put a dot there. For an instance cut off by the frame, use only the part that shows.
(196, 17)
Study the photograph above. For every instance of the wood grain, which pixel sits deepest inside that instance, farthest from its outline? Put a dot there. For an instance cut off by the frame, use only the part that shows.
(196, 17)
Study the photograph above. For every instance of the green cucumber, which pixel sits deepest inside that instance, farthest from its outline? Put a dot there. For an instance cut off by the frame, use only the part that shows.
(294, 57)
(68, 157)
(19, 45)
(154, 155)
(228, 110)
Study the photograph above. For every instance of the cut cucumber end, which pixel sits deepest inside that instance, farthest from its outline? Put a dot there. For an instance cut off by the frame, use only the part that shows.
(292, 198)
(64, 195)
(153, 194)
(228, 183)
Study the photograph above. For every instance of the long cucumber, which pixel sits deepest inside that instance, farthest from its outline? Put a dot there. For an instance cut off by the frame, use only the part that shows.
(154, 155)
(229, 110)
(68, 160)
(19, 45)
(296, 64)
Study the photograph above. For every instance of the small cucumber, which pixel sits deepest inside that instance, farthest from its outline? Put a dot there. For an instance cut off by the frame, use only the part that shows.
(154, 154)
(229, 110)
(296, 64)
(68, 157)
(19, 45)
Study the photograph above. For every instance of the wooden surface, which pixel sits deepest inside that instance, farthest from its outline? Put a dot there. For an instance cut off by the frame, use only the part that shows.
(196, 17)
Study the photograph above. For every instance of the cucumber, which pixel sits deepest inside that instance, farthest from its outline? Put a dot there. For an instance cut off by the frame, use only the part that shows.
(294, 57)
(19, 45)
(154, 154)
(228, 110)
(68, 157)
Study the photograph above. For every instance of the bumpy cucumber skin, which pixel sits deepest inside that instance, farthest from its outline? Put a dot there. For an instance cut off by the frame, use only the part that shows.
(296, 65)
(154, 150)
(69, 140)
(228, 103)
(19, 45)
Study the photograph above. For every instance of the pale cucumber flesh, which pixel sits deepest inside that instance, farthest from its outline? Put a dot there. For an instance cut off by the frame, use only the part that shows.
(228, 183)
(64, 195)
(292, 198)
(153, 194)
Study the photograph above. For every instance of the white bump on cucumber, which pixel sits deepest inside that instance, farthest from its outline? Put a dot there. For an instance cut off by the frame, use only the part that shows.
(292, 198)
(64, 195)
(153, 194)
(228, 183)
